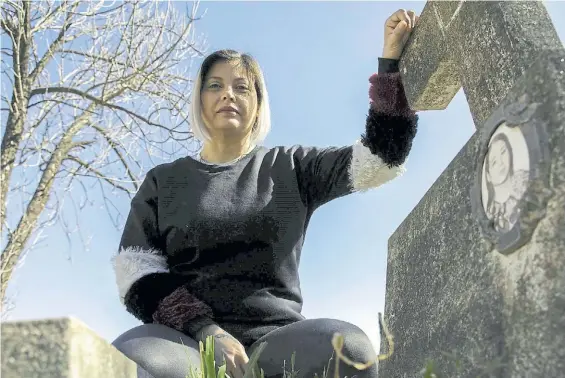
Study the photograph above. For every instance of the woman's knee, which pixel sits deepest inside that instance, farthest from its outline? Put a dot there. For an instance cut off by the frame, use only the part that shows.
(160, 350)
(150, 331)
(356, 345)
(320, 332)
(311, 342)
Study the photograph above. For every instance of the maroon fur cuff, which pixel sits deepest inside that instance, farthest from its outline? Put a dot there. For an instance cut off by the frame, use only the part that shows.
(179, 308)
(387, 95)
(391, 125)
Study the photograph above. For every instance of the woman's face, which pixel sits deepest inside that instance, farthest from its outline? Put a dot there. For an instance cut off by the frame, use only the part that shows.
(498, 162)
(228, 99)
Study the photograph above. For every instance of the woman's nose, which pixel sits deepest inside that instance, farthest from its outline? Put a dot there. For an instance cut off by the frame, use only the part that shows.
(228, 93)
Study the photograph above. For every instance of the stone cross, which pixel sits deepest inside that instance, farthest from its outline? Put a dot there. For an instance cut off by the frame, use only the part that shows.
(482, 46)
(476, 272)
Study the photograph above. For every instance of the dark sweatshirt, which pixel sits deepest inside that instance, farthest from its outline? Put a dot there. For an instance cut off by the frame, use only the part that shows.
(222, 243)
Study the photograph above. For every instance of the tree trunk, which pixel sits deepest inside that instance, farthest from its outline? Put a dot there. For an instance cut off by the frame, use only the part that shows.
(18, 239)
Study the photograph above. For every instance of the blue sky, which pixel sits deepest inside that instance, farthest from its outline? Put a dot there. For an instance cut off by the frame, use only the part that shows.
(317, 57)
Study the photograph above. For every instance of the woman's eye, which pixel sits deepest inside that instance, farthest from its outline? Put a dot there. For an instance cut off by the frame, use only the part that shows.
(214, 85)
(242, 87)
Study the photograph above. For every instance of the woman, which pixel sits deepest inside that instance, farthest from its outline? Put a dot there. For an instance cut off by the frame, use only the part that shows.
(211, 245)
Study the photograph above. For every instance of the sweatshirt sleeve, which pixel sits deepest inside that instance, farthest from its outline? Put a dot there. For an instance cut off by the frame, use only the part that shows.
(376, 158)
(390, 128)
(146, 287)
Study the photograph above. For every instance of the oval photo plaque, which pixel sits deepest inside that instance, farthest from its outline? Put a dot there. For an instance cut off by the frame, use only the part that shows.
(512, 174)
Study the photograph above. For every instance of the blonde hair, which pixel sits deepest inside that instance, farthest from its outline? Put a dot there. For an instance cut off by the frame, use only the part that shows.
(263, 125)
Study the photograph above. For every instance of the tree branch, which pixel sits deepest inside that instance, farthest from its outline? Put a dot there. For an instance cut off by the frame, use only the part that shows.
(93, 56)
(7, 26)
(114, 147)
(49, 15)
(97, 174)
(97, 101)
(53, 47)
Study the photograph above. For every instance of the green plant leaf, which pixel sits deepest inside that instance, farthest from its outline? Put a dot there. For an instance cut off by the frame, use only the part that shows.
(222, 371)
(253, 370)
(202, 359)
(210, 360)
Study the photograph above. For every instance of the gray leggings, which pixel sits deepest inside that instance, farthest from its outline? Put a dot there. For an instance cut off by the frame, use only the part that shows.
(158, 350)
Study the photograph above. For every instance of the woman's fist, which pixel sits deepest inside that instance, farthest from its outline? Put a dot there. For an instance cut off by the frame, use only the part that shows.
(398, 28)
(226, 348)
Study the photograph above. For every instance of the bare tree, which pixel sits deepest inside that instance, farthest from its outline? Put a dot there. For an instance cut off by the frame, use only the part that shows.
(92, 93)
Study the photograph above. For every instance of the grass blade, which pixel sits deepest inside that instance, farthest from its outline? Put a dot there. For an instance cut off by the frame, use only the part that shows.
(253, 370)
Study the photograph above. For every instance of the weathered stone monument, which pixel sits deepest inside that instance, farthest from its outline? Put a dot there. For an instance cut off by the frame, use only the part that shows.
(476, 273)
(61, 348)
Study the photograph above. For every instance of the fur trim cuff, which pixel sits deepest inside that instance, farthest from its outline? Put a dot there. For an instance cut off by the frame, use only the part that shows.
(179, 308)
(368, 170)
(387, 95)
(390, 136)
(133, 263)
(145, 294)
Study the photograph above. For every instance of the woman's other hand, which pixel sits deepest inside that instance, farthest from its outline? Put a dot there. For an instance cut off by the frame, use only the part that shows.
(228, 348)
(398, 28)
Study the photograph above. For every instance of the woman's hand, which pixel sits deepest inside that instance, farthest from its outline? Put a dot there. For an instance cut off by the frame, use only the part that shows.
(226, 347)
(398, 28)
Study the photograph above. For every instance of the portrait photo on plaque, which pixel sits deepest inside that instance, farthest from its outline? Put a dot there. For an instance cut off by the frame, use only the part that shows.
(505, 176)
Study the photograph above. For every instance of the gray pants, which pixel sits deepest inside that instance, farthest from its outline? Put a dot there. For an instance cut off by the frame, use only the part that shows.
(160, 352)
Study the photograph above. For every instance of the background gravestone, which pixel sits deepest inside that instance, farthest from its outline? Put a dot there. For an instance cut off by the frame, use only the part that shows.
(61, 348)
(463, 286)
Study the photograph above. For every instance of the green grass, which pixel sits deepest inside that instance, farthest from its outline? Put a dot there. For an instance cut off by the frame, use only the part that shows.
(208, 366)
(208, 363)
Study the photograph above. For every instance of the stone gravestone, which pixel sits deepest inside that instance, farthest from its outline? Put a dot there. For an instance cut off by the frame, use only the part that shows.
(61, 348)
(476, 273)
